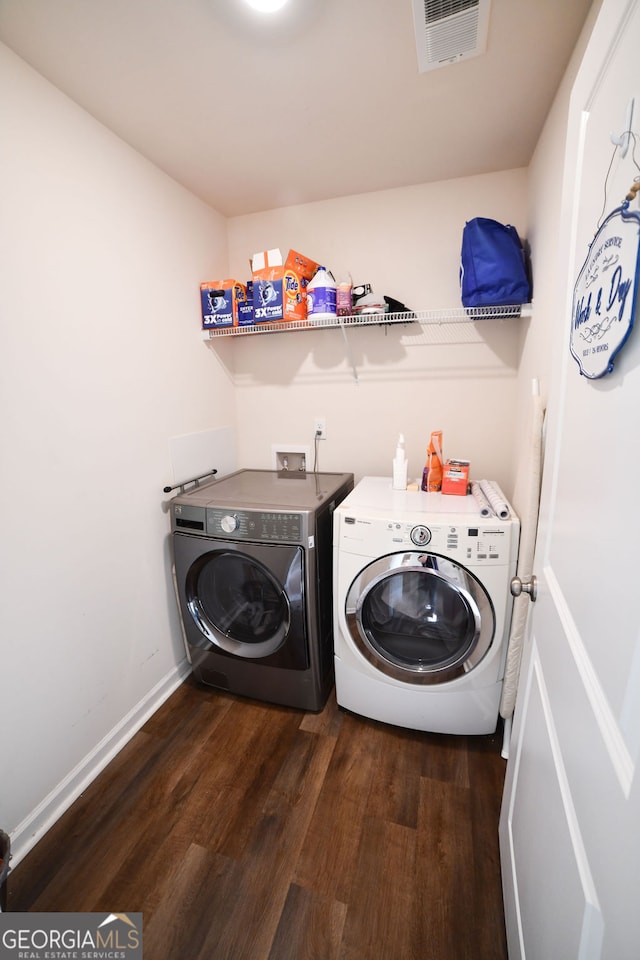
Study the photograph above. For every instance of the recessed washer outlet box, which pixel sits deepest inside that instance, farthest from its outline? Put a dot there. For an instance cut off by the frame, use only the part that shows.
(290, 456)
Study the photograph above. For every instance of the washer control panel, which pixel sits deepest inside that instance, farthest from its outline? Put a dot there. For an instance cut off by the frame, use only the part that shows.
(262, 525)
(266, 526)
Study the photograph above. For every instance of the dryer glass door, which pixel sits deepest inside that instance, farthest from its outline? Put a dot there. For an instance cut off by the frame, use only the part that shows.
(420, 617)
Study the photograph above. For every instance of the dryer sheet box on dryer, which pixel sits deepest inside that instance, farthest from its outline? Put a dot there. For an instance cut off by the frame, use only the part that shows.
(455, 477)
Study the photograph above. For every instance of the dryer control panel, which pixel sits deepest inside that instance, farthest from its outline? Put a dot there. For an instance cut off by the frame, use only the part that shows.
(472, 544)
(467, 541)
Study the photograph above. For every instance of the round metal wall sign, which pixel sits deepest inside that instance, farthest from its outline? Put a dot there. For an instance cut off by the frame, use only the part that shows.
(604, 297)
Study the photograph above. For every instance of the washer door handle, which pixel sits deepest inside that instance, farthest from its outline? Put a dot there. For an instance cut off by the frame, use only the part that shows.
(519, 587)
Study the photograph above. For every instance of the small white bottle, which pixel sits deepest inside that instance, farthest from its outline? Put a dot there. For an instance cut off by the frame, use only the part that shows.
(400, 466)
(321, 297)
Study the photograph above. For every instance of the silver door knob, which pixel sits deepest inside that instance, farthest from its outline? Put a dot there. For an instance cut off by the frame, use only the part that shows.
(519, 586)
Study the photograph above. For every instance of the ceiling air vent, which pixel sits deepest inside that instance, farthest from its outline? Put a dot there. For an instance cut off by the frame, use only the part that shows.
(449, 30)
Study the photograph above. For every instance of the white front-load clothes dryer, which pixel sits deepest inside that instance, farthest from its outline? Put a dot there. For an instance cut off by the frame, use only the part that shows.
(422, 608)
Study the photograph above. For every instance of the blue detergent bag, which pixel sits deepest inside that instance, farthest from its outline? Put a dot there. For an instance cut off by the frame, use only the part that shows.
(492, 265)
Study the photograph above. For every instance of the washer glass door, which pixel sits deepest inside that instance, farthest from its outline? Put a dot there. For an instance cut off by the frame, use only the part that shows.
(247, 601)
(420, 617)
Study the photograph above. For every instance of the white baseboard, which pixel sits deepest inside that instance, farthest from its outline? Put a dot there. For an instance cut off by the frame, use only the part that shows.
(36, 824)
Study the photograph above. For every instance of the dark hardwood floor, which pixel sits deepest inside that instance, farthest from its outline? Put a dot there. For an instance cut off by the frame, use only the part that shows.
(246, 831)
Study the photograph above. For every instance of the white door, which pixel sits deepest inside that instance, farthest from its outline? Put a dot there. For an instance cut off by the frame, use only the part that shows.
(570, 823)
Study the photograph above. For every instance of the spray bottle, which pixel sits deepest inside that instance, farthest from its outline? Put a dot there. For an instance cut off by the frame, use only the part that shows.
(400, 466)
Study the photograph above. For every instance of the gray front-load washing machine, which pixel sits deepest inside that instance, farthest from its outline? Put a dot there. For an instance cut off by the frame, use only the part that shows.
(253, 574)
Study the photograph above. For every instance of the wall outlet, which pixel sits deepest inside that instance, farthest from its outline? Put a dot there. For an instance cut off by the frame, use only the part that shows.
(320, 428)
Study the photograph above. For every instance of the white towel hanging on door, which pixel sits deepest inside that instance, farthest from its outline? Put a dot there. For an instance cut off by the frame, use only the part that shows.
(526, 502)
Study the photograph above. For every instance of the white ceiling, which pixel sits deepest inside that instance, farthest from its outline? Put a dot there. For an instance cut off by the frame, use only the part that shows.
(322, 101)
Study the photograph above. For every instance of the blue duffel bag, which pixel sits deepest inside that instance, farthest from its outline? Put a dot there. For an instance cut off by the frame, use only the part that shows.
(492, 265)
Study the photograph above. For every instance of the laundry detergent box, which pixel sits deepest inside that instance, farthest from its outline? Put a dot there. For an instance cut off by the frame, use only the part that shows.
(245, 307)
(455, 477)
(280, 289)
(219, 300)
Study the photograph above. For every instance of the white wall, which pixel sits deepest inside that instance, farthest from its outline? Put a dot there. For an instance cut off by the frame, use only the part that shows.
(101, 257)
(545, 208)
(539, 337)
(406, 243)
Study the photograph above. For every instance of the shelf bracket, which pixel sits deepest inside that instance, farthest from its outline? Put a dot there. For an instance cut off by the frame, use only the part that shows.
(349, 352)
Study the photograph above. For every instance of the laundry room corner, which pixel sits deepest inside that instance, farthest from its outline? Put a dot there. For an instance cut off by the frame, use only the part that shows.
(103, 366)
(372, 383)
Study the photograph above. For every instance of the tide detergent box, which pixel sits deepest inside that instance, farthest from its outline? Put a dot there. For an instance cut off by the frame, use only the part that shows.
(280, 289)
(219, 300)
(455, 477)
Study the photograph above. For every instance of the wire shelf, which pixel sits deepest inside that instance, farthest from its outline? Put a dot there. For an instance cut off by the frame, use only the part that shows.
(445, 315)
